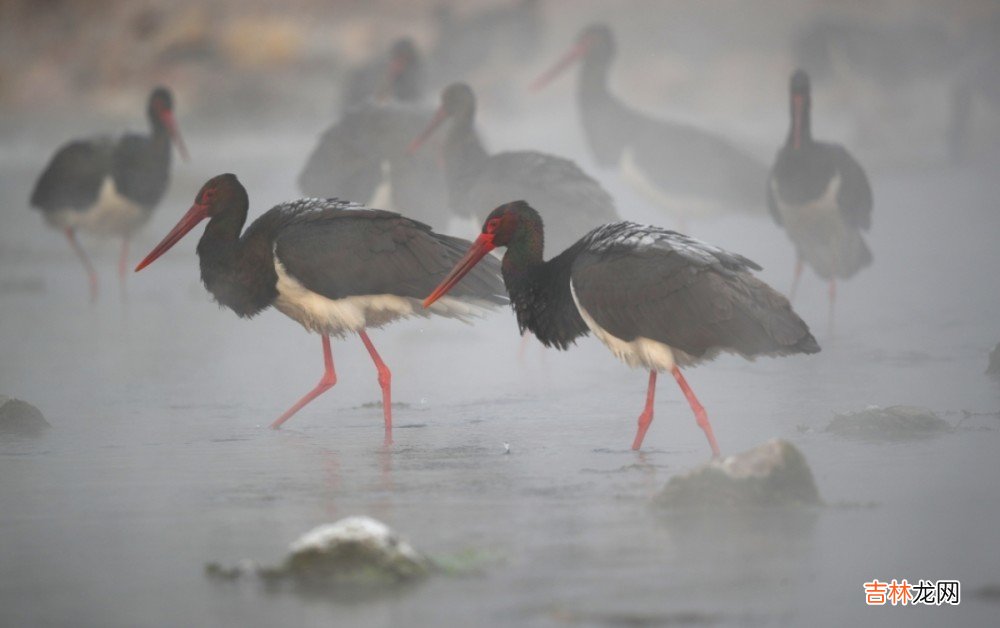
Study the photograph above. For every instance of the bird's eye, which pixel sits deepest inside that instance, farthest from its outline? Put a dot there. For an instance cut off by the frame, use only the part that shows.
(492, 224)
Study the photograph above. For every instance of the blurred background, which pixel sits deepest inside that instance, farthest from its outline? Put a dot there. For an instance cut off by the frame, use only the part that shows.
(157, 462)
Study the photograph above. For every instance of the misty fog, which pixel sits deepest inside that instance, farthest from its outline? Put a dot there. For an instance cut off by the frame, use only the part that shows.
(159, 459)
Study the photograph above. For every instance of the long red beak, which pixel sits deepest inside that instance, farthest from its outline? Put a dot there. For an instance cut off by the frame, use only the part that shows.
(478, 250)
(439, 117)
(571, 57)
(196, 214)
(175, 134)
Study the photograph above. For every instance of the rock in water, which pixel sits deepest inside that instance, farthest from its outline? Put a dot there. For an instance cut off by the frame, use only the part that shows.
(891, 423)
(20, 418)
(994, 366)
(772, 474)
(354, 557)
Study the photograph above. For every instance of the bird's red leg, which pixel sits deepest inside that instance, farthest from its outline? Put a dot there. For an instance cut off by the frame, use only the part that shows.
(326, 383)
(647, 415)
(91, 274)
(699, 412)
(123, 264)
(385, 381)
(795, 279)
(833, 298)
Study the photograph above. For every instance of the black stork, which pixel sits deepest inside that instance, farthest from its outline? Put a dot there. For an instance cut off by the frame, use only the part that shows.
(110, 187)
(656, 298)
(685, 170)
(363, 156)
(333, 266)
(398, 75)
(477, 179)
(820, 194)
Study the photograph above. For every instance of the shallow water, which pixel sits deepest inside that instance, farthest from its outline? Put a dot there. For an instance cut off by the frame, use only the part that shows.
(159, 461)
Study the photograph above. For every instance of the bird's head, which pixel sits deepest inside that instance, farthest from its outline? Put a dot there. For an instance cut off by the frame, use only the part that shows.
(402, 56)
(594, 42)
(403, 59)
(457, 101)
(161, 114)
(503, 227)
(220, 195)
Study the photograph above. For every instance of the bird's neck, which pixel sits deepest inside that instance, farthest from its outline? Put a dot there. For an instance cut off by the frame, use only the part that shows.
(239, 272)
(607, 122)
(408, 86)
(524, 273)
(463, 155)
(158, 131)
(594, 76)
(800, 128)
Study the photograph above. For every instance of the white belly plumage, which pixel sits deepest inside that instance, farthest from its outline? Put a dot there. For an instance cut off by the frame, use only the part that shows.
(819, 231)
(640, 352)
(351, 314)
(383, 197)
(111, 214)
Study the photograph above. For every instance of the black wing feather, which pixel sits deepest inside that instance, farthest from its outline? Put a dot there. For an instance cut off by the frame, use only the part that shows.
(340, 254)
(686, 294)
(73, 178)
(855, 195)
(141, 167)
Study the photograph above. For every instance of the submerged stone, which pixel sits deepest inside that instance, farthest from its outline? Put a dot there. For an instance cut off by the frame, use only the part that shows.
(891, 423)
(993, 368)
(354, 557)
(20, 418)
(772, 474)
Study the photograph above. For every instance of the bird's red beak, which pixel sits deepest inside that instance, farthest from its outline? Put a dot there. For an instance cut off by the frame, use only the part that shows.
(196, 214)
(167, 117)
(439, 117)
(571, 57)
(478, 250)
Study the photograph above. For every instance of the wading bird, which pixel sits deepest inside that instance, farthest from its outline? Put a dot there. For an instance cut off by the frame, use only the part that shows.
(476, 179)
(399, 75)
(333, 266)
(656, 298)
(687, 171)
(364, 156)
(110, 187)
(821, 196)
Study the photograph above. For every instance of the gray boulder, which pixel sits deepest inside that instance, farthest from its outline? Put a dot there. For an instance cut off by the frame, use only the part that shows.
(354, 557)
(769, 475)
(891, 423)
(20, 418)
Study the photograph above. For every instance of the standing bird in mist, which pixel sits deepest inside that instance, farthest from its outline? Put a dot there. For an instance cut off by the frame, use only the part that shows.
(107, 186)
(687, 171)
(820, 194)
(478, 180)
(657, 299)
(333, 266)
(399, 75)
(364, 155)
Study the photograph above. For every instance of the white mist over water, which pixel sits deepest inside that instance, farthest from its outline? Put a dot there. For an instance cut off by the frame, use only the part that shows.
(159, 462)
